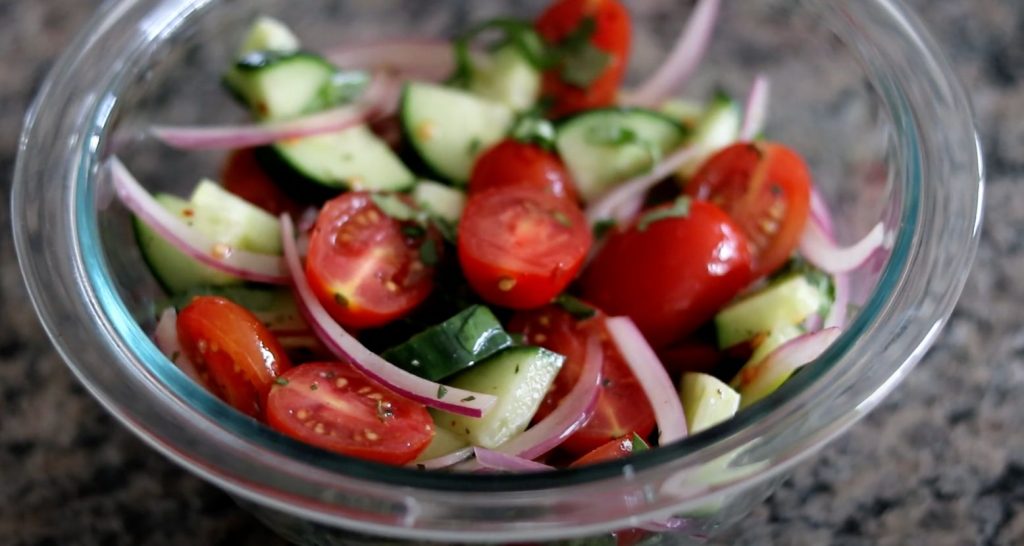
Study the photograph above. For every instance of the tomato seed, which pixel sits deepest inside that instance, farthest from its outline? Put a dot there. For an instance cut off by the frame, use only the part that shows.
(302, 414)
(506, 284)
(371, 435)
(341, 382)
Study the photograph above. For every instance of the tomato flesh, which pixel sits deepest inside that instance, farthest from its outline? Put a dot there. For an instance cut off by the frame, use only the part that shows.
(621, 403)
(512, 164)
(766, 189)
(245, 177)
(366, 267)
(520, 247)
(335, 407)
(612, 451)
(672, 275)
(612, 35)
(235, 354)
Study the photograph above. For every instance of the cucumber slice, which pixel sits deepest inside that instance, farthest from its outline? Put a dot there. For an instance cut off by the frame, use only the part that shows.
(719, 127)
(442, 201)
(706, 401)
(454, 345)
(353, 159)
(687, 112)
(449, 128)
(444, 442)
(786, 302)
(276, 308)
(173, 269)
(519, 377)
(281, 85)
(232, 218)
(604, 147)
(507, 77)
(269, 34)
(751, 384)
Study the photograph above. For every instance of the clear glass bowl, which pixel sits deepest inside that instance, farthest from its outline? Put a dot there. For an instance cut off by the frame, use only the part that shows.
(859, 89)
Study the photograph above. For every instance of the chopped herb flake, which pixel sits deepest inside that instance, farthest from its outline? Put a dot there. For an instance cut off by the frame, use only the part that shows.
(441, 391)
(602, 227)
(468, 399)
(639, 445)
(281, 381)
(413, 231)
(175, 356)
(446, 228)
(575, 307)
(679, 209)
(314, 386)
(474, 146)
(340, 299)
(428, 253)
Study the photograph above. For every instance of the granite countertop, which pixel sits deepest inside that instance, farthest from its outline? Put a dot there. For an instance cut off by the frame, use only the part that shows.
(941, 462)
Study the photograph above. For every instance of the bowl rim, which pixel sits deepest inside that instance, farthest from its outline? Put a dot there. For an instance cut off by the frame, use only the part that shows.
(171, 388)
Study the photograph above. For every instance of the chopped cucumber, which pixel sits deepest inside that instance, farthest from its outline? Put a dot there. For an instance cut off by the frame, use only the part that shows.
(269, 34)
(753, 382)
(221, 216)
(352, 159)
(281, 85)
(706, 401)
(519, 377)
(173, 269)
(442, 201)
(449, 128)
(454, 345)
(507, 77)
(235, 219)
(786, 302)
(602, 148)
(444, 443)
(719, 127)
(275, 307)
(687, 112)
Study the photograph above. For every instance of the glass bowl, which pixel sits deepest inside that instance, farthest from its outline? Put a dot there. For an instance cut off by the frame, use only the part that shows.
(859, 89)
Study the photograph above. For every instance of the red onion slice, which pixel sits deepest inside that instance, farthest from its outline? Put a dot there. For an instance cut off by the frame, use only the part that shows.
(424, 59)
(445, 461)
(624, 201)
(262, 268)
(818, 248)
(820, 213)
(348, 348)
(758, 381)
(683, 61)
(167, 341)
(495, 460)
(572, 412)
(755, 113)
(649, 371)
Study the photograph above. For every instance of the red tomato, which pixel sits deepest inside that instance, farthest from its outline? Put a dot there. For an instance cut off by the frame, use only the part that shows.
(366, 267)
(244, 177)
(613, 450)
(691, 357)
(520, 247)
(334, 407)
(234, 353)
(612, 34)
(673, 275)
(620, 409)
(513, 163)
(766, 188)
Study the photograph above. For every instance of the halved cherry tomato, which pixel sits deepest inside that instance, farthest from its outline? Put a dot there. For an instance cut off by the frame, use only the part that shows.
(671, 275)
(244, 176)
(366, 267)
(513, 163)
(520, 247)
(766, 189)
(612, 32)
(621, 406)
(613, 450)
(334, 407)
(235, 354)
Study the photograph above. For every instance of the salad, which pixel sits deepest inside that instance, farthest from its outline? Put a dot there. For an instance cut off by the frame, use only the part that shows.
(487, 254)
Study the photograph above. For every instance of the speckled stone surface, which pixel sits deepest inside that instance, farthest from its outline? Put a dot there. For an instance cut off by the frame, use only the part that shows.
(941, 462)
